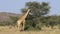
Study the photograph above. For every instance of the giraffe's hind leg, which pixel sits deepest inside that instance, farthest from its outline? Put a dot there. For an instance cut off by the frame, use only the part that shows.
(23, 26)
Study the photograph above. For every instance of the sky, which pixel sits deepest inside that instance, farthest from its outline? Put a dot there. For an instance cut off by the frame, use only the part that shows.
(15, 6)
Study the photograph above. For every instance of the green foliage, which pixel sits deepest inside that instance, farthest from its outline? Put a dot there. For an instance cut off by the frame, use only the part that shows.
(51, 21)
(37, 9)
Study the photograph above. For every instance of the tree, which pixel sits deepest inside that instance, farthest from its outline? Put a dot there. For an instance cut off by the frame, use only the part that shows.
(37, 10)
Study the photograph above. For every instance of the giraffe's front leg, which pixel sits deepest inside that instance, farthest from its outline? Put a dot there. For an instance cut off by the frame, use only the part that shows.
(19, 25)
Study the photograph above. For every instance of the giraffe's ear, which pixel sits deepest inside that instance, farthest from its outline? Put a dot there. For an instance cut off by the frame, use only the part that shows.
(30, 10)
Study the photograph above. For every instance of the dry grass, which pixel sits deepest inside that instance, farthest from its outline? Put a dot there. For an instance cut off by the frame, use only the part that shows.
(13, 30)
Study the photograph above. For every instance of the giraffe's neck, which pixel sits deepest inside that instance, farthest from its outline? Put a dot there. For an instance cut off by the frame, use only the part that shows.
(25, 15)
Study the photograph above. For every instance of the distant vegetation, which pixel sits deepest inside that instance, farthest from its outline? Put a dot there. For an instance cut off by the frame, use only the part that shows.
(48, 21)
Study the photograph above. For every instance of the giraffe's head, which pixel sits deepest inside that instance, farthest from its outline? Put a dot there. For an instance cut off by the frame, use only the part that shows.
(29, 10)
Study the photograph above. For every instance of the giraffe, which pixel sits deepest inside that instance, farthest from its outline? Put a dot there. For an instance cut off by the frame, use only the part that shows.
(21, 21)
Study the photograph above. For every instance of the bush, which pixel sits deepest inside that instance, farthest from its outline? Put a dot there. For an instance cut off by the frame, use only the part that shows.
(5, 23)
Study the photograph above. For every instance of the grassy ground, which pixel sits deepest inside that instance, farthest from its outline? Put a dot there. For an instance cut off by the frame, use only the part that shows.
(14, 30)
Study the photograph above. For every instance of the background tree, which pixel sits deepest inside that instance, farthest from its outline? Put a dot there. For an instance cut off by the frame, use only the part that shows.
(37, 10)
